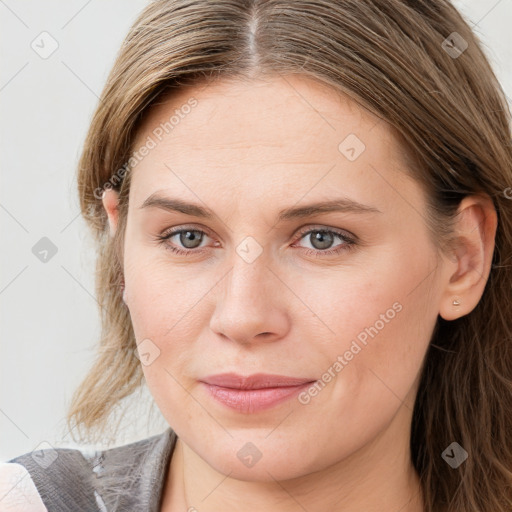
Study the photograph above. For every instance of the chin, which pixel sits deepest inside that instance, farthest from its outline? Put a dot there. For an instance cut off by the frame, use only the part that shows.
(259, 460)
(280, 469)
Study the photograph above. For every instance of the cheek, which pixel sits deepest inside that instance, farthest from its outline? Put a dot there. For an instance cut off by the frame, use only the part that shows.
(160, 295)
(166, 307)
(383, 322)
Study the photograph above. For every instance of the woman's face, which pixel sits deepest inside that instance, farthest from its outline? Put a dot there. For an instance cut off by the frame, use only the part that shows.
(271, 282)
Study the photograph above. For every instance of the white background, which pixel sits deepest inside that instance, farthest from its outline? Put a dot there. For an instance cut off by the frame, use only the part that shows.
(49, 320)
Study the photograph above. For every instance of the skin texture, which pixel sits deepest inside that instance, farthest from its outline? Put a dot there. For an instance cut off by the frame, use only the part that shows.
(246, 151)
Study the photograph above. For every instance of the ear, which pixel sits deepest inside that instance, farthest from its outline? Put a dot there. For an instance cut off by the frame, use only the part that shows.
(470, 261)
(110, 199)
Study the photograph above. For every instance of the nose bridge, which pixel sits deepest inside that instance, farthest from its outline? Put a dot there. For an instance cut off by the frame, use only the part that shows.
(249, 273)
(247, 283)
(245, 305)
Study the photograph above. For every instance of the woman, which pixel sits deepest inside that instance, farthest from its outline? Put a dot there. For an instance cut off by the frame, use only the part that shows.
(304, 226)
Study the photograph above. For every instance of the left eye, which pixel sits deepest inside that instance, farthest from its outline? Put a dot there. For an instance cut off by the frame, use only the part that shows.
(322, 239)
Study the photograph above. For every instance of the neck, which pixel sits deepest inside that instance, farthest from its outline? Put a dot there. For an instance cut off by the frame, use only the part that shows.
(378, 477)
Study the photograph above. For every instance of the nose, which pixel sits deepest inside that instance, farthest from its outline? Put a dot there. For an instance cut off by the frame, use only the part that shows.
(251, 304)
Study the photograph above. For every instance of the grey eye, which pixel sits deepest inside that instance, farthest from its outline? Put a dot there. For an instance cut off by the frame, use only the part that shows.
(321, 239)
(191, 239)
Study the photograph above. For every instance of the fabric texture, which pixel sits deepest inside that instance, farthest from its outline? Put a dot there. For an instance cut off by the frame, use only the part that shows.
(125, 478)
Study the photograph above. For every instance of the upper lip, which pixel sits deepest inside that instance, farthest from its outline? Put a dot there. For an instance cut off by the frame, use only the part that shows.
(255, 381)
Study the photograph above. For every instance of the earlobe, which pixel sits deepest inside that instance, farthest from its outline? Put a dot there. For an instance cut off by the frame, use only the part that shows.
(470, 264)
(110, 200)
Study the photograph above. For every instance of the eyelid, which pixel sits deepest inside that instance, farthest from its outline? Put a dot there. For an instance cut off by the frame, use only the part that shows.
(184, 227)
(321, 227)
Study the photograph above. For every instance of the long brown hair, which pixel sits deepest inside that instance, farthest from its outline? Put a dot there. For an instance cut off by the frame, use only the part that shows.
(417, 65)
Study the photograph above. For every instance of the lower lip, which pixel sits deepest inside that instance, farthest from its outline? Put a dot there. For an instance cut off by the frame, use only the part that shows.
(253, 400)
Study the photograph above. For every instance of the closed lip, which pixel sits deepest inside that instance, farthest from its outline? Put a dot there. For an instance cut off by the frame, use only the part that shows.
(255, 381)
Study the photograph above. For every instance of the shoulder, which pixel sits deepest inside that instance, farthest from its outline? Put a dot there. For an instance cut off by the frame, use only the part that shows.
(127, 477)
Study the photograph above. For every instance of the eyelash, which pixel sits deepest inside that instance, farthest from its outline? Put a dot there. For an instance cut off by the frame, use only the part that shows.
(349, 243)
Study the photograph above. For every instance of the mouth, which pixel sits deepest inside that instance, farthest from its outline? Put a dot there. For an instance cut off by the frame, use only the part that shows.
(253, 393)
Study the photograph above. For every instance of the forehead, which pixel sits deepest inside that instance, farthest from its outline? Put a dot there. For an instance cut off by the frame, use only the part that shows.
(293, 107)
(280, 134)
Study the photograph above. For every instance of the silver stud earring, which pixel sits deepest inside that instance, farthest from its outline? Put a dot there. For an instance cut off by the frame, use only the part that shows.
(456, 302)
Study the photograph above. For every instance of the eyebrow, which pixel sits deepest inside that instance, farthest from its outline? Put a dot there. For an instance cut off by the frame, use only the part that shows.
(342, 204)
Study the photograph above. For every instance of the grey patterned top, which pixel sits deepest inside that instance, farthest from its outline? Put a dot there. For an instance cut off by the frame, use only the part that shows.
(126, 478)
